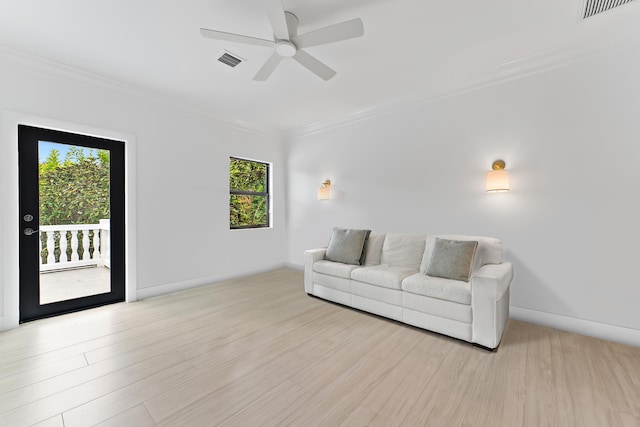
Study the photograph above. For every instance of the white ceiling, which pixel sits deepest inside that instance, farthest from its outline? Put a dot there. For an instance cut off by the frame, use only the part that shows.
(410, 47)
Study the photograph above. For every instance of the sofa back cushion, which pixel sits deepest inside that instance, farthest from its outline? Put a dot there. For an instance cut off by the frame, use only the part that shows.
(489, 250)
(373, 249)
(403, 250)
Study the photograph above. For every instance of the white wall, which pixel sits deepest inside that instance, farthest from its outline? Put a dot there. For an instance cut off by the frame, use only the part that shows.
(183, 236)
(570, 137)
(571, 140)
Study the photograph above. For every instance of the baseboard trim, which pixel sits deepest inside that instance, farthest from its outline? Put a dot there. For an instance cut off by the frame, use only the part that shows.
(168, 288)
(580, 326)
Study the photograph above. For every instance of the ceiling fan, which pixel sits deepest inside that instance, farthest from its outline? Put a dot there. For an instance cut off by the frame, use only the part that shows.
(288, 44)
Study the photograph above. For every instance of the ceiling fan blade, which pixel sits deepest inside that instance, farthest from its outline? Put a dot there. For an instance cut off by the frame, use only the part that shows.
(333, 33)
(237, 38)
(275, 13)
(268, 67)
(313, 65)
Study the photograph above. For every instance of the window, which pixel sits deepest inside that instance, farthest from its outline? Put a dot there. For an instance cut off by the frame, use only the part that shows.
(248, 194)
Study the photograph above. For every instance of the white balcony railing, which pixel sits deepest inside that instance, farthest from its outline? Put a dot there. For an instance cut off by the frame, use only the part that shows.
(72, 246)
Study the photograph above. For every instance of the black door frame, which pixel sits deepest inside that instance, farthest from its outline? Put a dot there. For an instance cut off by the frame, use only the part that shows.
(28, 138)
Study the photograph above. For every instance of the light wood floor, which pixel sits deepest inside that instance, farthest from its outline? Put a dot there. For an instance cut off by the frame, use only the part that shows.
(259, 351)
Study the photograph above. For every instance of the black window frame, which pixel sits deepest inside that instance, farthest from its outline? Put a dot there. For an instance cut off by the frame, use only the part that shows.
(266, 194)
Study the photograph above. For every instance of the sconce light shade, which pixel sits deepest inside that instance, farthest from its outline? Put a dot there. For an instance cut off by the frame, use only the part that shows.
(324, 192)
(497, 178)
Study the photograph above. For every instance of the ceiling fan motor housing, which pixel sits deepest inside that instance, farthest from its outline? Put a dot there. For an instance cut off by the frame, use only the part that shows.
(285, 48)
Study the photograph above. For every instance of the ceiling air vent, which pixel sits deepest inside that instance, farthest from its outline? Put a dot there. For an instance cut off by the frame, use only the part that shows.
(594, 7)
(229, 59)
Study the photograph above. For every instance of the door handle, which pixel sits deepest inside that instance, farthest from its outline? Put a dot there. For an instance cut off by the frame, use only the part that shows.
(30, 231)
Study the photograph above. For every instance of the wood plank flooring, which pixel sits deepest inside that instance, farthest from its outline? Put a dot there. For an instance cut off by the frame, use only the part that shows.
(258, 351)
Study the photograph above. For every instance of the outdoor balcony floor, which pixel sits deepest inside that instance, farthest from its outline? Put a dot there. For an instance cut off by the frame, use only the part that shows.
(69, 284)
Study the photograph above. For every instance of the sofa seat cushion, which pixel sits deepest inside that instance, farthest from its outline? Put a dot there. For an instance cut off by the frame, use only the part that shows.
(377, 293)
(437, 307)
(436, 287)
(336, 269)
(331, 282)
(387, 276)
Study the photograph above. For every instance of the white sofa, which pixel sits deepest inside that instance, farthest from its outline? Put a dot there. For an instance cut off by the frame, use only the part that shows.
(392, 283)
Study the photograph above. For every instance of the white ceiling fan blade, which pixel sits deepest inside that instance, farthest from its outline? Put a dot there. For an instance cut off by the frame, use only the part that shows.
(268, 67)
(313, 65)
(275, 13)
(237, 38)
(333, 33)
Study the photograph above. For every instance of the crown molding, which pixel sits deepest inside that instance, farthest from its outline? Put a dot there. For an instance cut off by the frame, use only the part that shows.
(539, 62)
(24, 61)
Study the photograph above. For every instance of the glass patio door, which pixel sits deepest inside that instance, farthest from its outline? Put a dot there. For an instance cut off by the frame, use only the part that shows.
(71, 222)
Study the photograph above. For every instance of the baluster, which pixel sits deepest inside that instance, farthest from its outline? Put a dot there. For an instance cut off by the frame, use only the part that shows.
(85, 245)
(63, 247)
(51, 247)
(41, 247)
(96, 244)
(74, 245)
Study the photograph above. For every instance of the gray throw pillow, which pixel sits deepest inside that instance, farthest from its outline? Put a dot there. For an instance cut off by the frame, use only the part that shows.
(347, 246)
(452, 259)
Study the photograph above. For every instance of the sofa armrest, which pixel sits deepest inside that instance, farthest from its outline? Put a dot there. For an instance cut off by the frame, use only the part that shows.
(490, 302)
(492, 280)
(310, 257)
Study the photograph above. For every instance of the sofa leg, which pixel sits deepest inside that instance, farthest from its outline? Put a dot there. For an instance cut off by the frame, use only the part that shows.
(483, 347)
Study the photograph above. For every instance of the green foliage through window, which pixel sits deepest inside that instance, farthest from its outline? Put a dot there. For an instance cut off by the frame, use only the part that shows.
(76, 190)
(248, 193)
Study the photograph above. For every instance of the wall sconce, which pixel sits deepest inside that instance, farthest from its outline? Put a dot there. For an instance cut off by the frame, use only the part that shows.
(324, 192)
(498, 178)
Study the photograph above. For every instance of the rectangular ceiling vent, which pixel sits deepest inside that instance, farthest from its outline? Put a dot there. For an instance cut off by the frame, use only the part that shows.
(594, 7)
(229, 59)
